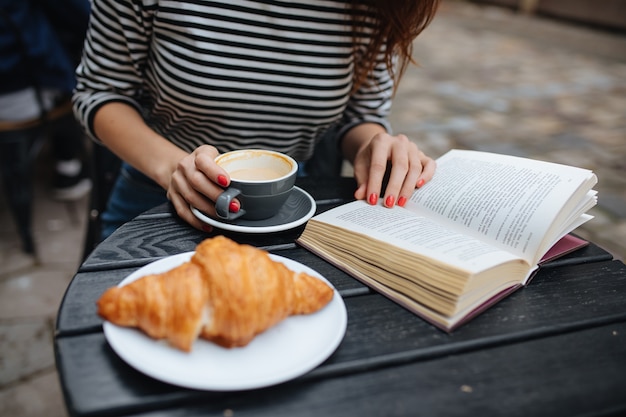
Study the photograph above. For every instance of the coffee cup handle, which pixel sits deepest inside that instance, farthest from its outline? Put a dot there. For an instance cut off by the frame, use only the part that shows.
(223, 202)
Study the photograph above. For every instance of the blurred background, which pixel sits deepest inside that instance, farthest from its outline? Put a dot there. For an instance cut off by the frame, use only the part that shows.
(544, 79)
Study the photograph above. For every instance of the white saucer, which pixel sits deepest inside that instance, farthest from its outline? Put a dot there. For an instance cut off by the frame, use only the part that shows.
(289, 349)
(298, 208)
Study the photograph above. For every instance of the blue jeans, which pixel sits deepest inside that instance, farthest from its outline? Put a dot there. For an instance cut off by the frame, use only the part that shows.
(132, 194)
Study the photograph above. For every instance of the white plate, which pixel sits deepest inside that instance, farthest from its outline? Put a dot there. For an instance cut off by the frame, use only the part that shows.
(298, 208)
(291, 348)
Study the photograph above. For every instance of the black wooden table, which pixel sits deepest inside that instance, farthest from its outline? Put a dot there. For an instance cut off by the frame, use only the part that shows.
(555, 348)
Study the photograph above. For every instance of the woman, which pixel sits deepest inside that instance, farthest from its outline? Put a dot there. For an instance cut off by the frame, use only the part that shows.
(167, 86)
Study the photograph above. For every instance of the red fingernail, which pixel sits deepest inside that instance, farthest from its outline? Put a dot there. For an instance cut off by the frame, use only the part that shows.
(402, 201)
(207, 228)
(221, 180)
(233, 207)
(373, 199)
(420, 183)
(390, 200)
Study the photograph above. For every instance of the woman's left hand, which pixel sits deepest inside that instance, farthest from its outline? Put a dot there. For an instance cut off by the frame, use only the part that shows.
(410, 169)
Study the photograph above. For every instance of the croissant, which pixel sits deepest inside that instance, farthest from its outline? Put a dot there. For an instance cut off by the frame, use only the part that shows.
(227, 293)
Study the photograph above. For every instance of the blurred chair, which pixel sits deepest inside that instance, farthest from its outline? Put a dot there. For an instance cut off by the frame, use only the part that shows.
(20, 143)
(39, 43)
(104, 169)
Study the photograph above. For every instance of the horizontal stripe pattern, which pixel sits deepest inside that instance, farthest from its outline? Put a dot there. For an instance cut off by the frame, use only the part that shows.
(233, 74)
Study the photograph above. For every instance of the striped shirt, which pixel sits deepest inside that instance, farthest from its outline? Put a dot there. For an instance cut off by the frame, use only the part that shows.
(234, 74)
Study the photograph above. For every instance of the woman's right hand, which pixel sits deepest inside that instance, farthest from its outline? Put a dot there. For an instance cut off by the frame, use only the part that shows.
(197, 181)
(189, 178)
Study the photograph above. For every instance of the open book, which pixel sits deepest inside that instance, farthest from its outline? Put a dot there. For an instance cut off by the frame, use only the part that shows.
(472, 235)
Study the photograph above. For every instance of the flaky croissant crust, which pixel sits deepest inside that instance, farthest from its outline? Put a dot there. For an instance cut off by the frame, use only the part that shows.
(227, 293)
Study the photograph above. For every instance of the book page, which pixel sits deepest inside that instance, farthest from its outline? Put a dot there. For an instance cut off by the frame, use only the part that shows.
(512, 202)
(422, 235)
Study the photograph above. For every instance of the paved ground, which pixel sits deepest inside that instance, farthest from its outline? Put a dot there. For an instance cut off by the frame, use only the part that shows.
(488, 79)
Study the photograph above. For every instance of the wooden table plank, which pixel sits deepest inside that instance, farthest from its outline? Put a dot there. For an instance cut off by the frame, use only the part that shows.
(78, 311)
(577, 373)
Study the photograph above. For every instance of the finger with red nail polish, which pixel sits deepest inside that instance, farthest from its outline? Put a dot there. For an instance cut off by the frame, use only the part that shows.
(222, 180)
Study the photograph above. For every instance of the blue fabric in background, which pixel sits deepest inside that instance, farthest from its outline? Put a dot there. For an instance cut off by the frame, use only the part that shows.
(41, 42)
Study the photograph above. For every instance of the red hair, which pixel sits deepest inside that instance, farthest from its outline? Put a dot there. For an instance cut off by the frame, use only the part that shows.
(396, 24)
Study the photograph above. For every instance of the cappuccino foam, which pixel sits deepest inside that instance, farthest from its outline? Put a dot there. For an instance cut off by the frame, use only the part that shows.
(256, 174)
